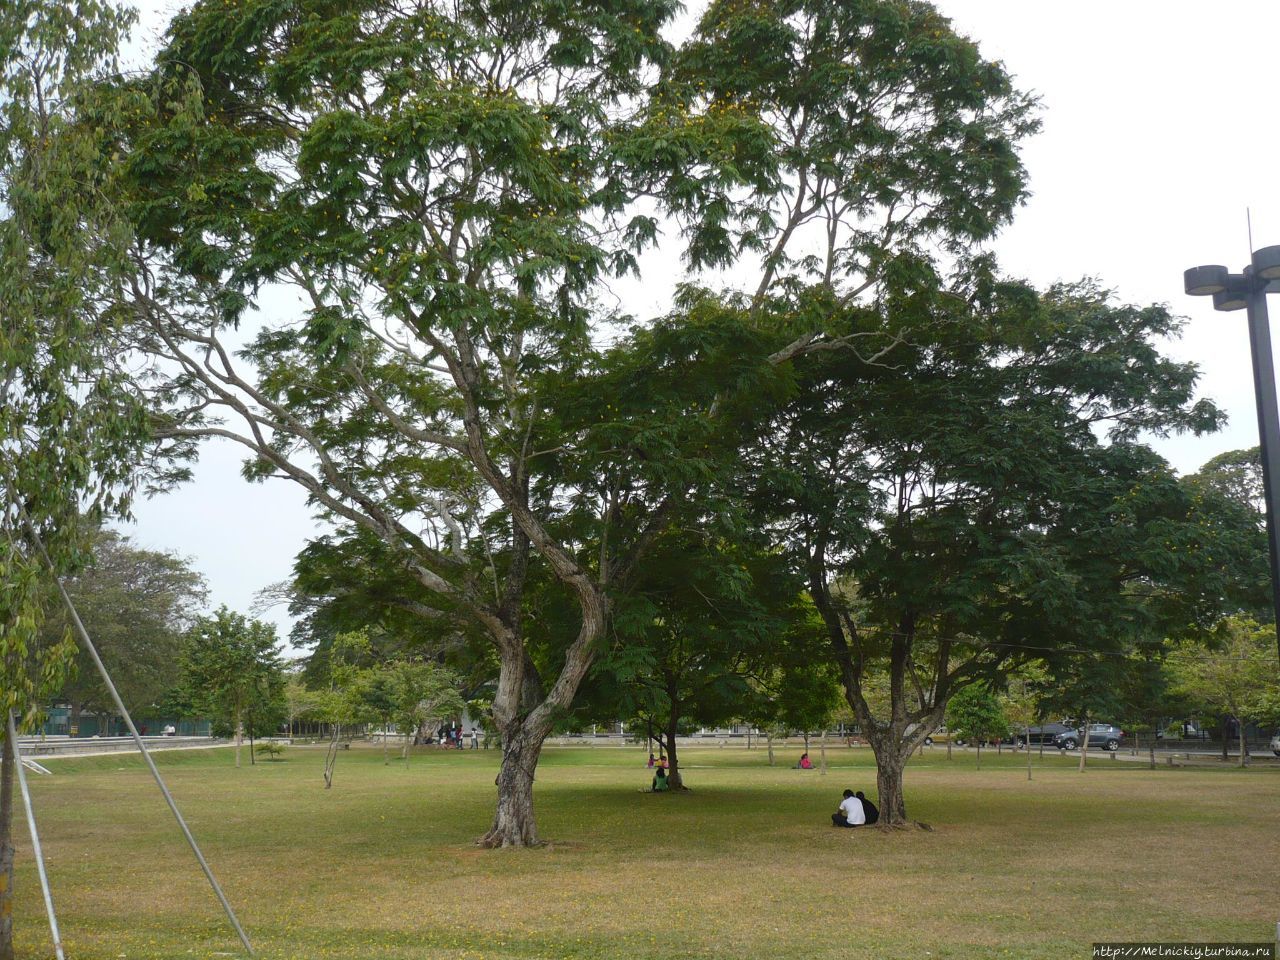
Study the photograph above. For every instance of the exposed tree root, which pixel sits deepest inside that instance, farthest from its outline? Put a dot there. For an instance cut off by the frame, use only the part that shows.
(909, 825)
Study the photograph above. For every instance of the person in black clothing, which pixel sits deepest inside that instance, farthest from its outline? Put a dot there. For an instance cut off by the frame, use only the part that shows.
(869, 808)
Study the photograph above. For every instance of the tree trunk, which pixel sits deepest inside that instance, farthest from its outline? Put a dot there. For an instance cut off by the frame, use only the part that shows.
(948, 746)
(674, 780)
(239, 740)
(1084, 744)
(386, 759)
(7, 760)
(893, 805)
(253, 760)
(1226, 735)
(770, 742)
(1244, 748)
(1027, 730)
(978, 743)
(822, 748)
(514, 824)
(1151, 748)
(806, 741)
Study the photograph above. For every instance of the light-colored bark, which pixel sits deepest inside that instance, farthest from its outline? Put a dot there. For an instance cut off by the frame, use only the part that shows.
(514, 824)
(1084, 744)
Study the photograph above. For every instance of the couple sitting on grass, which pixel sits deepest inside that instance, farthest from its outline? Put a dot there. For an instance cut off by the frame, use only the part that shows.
(855, 811)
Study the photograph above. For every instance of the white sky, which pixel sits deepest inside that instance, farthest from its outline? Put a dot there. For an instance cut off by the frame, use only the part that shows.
(1157, 137)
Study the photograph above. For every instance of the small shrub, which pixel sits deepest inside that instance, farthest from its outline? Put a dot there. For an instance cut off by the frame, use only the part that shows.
(269, 749)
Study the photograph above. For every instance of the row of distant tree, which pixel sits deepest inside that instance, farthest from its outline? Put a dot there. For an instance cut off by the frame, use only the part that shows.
(169, 660)
(142, 608)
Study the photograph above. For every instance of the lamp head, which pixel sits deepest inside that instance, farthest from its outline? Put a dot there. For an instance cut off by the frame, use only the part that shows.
(1266, 263)
(1230, 300)
(1206, 280)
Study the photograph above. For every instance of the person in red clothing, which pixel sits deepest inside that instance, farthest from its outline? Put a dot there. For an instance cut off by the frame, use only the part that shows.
(805, 763)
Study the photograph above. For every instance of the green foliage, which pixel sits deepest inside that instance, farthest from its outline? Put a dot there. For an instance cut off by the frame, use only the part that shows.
(70, 429)
(975, 713)
(1237, 475)
(136, 605)
(269, 749)
(1237, 675)
(232, 672)
(422, 695)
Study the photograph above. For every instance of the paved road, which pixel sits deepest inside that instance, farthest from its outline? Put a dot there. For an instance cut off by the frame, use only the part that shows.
(51, 748)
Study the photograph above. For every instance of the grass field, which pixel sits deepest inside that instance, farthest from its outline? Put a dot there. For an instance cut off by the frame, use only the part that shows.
(745, 865)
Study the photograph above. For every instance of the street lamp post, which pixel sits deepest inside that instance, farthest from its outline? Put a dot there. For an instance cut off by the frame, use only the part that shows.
(1248, 290)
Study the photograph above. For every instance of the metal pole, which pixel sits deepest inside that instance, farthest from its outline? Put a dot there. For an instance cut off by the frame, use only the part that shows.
(137, 738)
(1264, 388)
(35, 839)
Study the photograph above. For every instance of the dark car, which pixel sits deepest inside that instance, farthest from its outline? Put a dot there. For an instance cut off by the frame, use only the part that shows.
(1103, 735)
(1043, 734)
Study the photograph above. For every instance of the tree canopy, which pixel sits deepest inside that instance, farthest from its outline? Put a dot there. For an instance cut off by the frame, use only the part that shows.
(449, 188)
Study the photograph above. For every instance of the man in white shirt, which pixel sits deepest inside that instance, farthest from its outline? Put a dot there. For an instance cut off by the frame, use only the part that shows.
(850, 813)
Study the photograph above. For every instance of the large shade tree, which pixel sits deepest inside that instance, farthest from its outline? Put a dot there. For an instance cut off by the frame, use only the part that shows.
(986, 500)
(448, 187)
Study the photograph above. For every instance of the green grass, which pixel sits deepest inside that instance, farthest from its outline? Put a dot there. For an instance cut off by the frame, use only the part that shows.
(745, 865)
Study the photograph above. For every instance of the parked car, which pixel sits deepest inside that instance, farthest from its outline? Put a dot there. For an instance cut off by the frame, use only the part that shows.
(1275, 744)
(1103, 735)
(1188, 730)
(1043, 734)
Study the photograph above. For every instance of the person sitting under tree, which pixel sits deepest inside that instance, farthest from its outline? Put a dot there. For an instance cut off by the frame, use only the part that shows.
(851, 813)
(660, 782)
(805, 763)
(871, 811)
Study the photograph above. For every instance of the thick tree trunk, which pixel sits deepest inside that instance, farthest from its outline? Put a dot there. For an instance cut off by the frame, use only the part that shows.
(893, 805)
(514, 824)
(7, 760)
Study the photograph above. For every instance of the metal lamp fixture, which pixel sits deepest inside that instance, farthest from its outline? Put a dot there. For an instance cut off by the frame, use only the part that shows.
(1248, 290)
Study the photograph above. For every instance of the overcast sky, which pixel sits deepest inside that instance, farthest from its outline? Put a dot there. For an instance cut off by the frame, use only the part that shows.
(1157, 137)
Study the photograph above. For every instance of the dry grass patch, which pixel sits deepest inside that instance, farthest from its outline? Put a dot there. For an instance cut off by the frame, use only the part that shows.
(746, 865)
